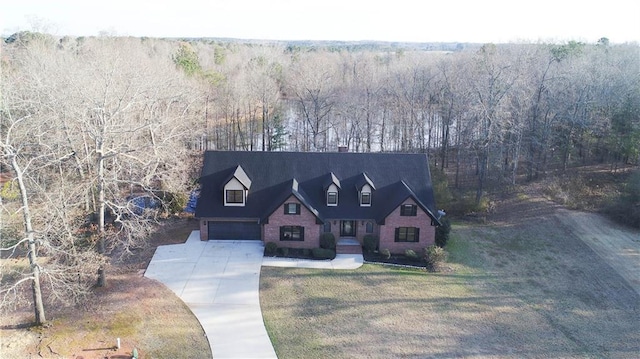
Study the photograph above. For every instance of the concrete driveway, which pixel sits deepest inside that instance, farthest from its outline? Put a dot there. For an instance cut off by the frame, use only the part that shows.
(219, 281)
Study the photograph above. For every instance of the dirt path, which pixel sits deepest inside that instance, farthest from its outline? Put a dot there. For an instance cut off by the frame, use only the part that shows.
(618, 246)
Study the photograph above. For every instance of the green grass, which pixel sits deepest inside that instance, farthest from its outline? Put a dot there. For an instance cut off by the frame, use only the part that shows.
(461, 252)
(515, 291)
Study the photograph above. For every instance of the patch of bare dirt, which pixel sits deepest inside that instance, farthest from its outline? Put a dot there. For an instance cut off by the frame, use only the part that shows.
(525, 204)
(17, 340)
(615, 244)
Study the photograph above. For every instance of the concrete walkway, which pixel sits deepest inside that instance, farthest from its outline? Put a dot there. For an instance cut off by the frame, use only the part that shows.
(342, 261)
(219, 281)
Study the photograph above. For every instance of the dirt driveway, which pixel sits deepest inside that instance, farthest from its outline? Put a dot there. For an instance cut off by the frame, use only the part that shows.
(618, 246)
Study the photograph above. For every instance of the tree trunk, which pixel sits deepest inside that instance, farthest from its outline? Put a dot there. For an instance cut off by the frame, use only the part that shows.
(101, 213)
(445, 140)
(516, 158)
(482, 172)
(38, 305)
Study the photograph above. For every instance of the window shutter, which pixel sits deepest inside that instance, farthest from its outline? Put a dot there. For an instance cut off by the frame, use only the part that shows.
(417, 234)
(301, 233)
(298, 208)
(397, 234)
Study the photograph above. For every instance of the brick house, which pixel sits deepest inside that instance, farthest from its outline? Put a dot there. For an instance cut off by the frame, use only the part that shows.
(291, 198)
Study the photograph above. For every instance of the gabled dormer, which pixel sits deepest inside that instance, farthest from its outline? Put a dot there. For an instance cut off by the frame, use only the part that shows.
(365, 188)
(236, 188)
(332, 188)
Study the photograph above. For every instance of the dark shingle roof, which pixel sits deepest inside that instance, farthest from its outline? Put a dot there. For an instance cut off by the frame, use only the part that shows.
(275, 176)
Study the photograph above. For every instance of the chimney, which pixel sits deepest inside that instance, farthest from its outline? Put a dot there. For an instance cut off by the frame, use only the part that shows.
(343, 149)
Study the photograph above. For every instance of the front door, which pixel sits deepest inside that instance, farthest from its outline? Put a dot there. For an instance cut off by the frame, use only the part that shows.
(347, 228)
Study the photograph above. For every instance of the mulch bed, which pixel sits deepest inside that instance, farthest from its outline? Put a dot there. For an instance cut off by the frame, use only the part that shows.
(395, 259)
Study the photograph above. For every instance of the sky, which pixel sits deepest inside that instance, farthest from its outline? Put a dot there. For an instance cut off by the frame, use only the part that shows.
(479, 21)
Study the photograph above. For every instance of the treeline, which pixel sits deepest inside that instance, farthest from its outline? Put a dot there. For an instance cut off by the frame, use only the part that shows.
(100, 135)
(488, 114)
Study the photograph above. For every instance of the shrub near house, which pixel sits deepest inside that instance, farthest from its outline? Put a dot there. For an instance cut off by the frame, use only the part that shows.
(293, 198)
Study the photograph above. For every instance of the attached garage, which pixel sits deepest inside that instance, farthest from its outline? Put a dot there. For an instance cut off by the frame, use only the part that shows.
(234, 230)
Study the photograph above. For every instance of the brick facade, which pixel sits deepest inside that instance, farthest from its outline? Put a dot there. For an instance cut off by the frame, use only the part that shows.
(271, 230)
(204, 230)
(312, 231)
(395, 220)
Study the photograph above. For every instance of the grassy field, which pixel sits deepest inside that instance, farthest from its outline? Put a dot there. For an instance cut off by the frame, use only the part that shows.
(524, 288)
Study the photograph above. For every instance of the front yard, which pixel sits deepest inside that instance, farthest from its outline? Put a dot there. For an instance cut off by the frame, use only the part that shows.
(142, 312)
(518, 290)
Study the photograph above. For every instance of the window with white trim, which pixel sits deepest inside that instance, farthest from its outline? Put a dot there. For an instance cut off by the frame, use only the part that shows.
(235, 196)
(235, 193)
(365, 199)
(332, 198)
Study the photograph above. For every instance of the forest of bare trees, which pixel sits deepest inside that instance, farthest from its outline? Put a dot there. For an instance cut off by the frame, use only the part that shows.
(92, 126)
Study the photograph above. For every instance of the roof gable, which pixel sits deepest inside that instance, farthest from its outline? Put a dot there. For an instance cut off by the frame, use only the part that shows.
(398, 193)
(291, 188)
(241, 176)
(331, 179)
(362, 180)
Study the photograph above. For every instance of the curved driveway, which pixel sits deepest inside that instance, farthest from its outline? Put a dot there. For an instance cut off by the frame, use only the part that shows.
(219, 281)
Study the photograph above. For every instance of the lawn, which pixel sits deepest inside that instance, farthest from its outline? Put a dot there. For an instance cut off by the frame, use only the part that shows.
(526, 289)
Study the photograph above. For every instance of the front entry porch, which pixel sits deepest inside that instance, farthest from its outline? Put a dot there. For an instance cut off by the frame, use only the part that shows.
(348, 245)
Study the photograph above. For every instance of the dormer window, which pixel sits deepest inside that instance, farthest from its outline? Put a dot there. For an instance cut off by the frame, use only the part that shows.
(365, 187)
(236, 188)
(331, 187)
(365, 199)
(235, 196)
(332, 198)
(365, 196)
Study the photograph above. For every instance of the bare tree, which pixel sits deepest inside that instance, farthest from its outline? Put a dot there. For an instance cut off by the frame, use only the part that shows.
(120, 118)
(265, 80)
(312, 87)
(32, 150)
(491, 82)
(131, 118)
